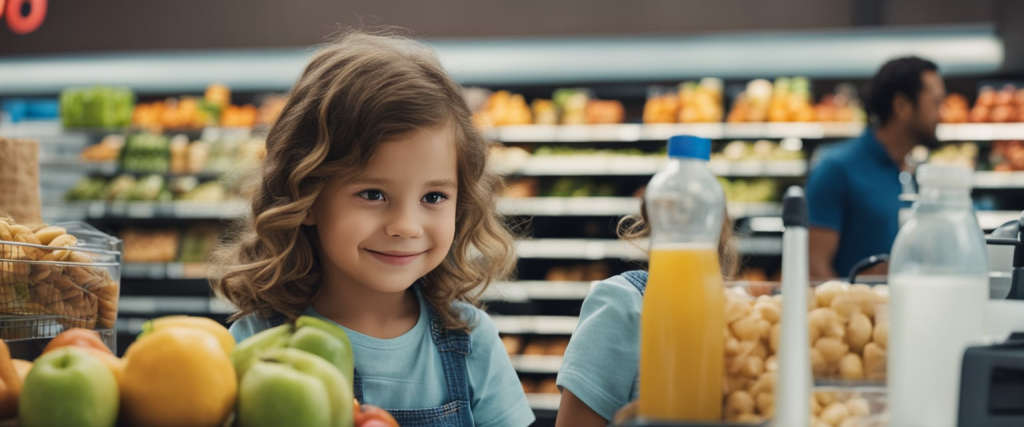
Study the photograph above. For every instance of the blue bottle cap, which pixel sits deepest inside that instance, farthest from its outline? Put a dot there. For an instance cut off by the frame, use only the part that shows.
(690, 147)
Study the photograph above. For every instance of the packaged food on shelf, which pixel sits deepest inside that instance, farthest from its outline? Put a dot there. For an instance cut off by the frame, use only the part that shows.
(77, 284)
(790, 99)
(513, 344)
(97, 106)
(178, 148)
(119, 188)
(108, 150)
(701, 102)
(149, 245)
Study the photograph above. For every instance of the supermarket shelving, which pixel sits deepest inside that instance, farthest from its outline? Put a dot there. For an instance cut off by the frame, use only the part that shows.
(530, 290)
(538, 325)
(661, 132)
(530, 364)
(544, 401)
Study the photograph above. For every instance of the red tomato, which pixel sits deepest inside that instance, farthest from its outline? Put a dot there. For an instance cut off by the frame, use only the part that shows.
(372, 416)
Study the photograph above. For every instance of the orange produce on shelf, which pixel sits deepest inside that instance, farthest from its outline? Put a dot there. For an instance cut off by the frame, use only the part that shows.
(604, 112)
(78, 337)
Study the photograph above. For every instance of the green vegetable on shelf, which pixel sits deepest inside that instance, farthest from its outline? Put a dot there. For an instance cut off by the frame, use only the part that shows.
(97, 106)
(89, 188)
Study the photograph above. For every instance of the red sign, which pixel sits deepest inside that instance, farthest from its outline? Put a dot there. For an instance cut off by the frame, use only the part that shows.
(20, 23)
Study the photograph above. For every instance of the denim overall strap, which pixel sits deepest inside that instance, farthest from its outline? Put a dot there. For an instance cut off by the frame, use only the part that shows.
(453, 347)
(637, 278)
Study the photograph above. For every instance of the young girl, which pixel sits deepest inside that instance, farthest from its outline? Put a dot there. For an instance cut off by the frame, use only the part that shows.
(374, 211)
(599, 373)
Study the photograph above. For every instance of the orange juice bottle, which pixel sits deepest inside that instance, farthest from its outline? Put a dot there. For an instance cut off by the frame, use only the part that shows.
(681, 345)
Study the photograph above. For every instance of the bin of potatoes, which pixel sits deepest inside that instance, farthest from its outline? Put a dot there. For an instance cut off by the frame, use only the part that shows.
(848, 330)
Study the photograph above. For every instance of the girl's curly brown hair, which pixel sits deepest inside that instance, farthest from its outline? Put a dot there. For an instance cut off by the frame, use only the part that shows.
(354, 94)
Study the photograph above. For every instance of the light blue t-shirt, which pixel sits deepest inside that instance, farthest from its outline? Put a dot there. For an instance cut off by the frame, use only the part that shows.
(602, 363)
(406, 372)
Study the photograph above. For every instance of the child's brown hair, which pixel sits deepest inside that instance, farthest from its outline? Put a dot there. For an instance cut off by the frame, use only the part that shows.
(355, 94)
(635, 227)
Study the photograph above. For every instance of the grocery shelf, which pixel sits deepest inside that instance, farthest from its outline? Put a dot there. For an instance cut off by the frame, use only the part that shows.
(998, 180)
(532, 364)
(754, 209)
(570, 206)
(142, 210)
(538, 325)
(200, 306)
(990, 220)
(593, 249)
(612, 165)
(523, 291)
(544, 401)
(659, 132)
(163, 270)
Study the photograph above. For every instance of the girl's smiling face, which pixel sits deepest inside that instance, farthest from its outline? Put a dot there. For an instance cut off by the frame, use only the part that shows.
(395, 221)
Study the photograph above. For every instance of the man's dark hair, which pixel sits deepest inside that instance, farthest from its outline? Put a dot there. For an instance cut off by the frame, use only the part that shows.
(901, 76)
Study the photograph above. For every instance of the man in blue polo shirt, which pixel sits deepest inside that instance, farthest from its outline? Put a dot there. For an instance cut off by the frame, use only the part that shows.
(853, 192)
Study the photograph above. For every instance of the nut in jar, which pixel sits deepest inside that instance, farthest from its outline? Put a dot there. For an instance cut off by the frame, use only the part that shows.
(45, 273)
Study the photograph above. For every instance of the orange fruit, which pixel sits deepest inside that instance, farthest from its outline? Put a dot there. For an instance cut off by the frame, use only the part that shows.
(78, 337)
(177, 377)
(22, 366)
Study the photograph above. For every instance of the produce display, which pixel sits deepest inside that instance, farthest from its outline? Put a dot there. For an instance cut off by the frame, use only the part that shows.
(848, 336)
(790, 100)
(148, 188)
(963, 154)
(998, 106)
(567, 107)
(146, 153)
(97, 106)
(67, 287)
(1007, 156)
(214, 108)
(78, 382)
(690, 102)
(750, 190)
(762, 150)
(108, 150)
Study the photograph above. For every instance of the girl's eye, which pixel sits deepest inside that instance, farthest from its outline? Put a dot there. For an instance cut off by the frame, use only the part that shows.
(434, 198)
(373, 195)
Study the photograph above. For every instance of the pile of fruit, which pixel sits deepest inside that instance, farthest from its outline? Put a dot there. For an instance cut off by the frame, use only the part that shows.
(566, 107)
(690, 102)
(750, 190)
(294, 374)
(848, 336)
(98, 106)
(963, 155)
(1007, 156)
(1002, 106)
(214, 108)
(790, 100)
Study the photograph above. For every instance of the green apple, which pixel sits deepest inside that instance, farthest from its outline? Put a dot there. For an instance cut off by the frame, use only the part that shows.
(307, 333)
(288, 386)
(69, 387)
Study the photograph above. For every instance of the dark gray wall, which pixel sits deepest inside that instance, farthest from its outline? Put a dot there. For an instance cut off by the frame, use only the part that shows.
(104, 25)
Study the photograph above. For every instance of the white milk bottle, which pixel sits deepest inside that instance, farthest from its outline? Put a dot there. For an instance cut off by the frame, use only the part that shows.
(938, 278)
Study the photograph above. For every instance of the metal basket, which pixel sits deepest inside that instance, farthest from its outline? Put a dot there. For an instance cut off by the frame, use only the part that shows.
(45, 290)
